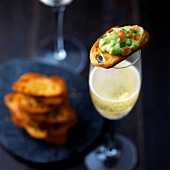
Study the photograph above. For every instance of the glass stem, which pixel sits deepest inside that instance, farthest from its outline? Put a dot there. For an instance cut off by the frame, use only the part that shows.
(111, 150)
(59, 50)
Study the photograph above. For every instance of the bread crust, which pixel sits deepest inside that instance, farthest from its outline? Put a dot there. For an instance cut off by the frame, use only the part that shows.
(51, 129)
(64, 114)
(111, 60)
(36, 84)
(39, 105)
(31, 104)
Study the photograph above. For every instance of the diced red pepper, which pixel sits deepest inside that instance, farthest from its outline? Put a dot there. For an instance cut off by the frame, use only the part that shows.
(135, 27)
(126, 50)
(110, 30)
(120, 34)
(137, 37)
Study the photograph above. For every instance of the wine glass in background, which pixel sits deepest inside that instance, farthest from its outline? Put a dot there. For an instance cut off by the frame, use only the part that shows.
(114, 92)
(65, 51)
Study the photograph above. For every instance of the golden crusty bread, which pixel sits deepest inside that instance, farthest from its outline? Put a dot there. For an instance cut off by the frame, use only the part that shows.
(38, 133)
(109, 60)
(12, 104)
(36, 84)
(39, 105)
(16, 121)
(52, 101)
(62, 114)
(30, 104)
(43, 133)
(55, 135)
(51, 127)
(35, 105)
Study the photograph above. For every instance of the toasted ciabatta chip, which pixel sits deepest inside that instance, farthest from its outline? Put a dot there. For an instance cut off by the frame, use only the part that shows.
(117, 44)
(38, 133)
(39, 105)
(52, 101)
(16, 121)
(53, 135)
(64, 114)
(31, 104)
(36, 105)
(55, 132)
(12, 104)
(51, 127)
(36, 84)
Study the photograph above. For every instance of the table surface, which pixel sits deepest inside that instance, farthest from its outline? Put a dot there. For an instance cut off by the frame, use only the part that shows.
(24, 23)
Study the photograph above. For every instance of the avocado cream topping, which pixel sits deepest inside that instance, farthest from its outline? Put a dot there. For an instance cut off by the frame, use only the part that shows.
(121, 40)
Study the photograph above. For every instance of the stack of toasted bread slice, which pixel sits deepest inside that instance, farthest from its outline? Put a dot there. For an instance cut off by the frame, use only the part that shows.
(39, 104)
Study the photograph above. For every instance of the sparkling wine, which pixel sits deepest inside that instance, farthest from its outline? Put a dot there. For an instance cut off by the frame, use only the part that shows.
(56, 3)
(114, 95)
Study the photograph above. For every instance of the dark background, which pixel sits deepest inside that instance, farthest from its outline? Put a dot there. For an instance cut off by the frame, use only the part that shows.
(24, 23)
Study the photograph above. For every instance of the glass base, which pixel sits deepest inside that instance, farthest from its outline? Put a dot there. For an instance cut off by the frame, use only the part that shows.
(126, 159)
(76, 58)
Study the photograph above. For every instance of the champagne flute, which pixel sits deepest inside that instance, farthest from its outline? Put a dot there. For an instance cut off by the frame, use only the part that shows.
(114, 92)
(65, 51)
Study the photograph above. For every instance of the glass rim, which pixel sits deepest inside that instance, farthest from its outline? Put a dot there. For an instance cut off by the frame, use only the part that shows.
(131, 63)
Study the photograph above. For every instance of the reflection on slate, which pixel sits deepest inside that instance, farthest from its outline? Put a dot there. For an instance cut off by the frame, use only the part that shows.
(19, 143)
